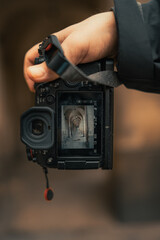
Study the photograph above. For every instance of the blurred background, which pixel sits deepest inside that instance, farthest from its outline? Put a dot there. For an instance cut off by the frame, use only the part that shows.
(120, 204)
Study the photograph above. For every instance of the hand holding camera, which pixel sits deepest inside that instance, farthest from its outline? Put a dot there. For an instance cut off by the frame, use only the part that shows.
(71, 125)
(86, 41)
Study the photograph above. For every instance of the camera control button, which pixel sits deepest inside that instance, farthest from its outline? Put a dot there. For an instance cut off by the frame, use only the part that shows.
(56, 85)
(43, 94)
(50, 99)
(47, 90)
(50, 160)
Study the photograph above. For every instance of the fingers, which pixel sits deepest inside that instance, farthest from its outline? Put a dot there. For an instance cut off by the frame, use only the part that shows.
(75, 47)
(36, 73)
(41, 73)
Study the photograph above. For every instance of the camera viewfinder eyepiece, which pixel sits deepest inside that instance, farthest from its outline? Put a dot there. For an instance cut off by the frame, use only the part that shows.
(37, 127)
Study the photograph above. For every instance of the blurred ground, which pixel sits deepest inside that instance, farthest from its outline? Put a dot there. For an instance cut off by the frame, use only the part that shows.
(80, 209)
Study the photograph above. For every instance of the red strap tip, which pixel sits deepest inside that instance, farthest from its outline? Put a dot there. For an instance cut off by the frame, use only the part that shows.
(48, 47)
(48, 194)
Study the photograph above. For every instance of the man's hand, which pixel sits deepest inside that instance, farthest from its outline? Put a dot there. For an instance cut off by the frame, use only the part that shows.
(87, 41)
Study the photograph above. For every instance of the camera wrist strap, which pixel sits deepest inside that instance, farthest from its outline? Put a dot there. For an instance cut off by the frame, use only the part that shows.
(48, 193)
(51, 51)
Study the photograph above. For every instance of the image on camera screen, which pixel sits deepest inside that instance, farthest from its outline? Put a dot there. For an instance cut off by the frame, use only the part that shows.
(77, 126)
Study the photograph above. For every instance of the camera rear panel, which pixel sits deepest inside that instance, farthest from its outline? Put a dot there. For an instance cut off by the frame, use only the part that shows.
(71, 126)
(83, 125)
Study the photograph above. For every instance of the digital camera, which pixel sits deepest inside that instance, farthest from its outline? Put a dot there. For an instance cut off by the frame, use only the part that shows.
(71, 124)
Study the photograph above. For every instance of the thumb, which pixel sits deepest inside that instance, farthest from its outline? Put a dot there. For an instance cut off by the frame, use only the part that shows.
(41, 73)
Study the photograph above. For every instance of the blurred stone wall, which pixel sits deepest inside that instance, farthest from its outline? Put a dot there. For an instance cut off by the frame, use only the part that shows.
(134, 191)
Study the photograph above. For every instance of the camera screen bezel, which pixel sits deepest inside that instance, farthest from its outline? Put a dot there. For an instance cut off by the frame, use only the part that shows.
(93, 98)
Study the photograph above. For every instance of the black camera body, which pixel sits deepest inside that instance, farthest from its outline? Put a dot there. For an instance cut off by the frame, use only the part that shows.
(71, 125)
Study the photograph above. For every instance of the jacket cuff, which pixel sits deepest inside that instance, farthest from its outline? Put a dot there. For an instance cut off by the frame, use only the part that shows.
(135, 64)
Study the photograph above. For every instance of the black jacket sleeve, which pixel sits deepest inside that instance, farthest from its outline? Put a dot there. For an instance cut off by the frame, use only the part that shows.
(139, 44)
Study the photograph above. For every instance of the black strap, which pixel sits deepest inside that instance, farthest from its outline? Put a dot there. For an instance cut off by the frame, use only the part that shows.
(135, 55)
(56, 61)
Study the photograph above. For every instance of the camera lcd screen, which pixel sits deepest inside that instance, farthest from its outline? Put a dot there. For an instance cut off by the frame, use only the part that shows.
(79, 123)
(77, 126)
